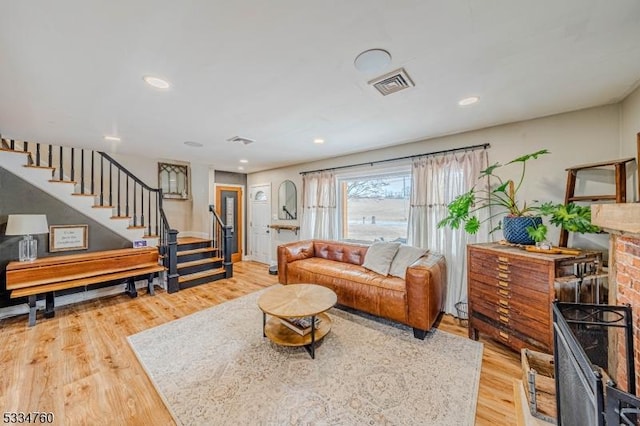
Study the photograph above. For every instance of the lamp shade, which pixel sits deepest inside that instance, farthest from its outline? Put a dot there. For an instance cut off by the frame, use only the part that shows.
(27, 224)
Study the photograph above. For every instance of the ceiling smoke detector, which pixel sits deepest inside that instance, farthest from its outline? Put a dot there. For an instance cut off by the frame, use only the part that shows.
(240, 139)
(392, 82)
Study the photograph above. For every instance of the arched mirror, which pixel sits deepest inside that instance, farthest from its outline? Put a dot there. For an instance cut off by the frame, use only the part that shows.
(287, 201)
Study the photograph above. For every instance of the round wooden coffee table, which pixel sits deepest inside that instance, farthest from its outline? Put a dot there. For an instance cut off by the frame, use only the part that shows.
(295, 301)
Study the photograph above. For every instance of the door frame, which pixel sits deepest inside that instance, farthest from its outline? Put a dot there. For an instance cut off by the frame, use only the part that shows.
(241, 219)
(250, 217)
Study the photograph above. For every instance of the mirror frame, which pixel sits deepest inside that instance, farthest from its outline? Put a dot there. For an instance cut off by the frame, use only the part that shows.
(283, 196)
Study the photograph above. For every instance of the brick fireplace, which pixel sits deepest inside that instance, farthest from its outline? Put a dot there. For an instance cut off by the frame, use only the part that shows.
(622, 221)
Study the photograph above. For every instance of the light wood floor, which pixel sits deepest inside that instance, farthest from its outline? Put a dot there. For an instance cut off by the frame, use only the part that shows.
(79, 365)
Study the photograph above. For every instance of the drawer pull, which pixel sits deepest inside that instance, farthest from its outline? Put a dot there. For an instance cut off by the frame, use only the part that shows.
(503, 267)
(504, 284)
(503, 311)
(503, 302)
(503, 259)
(503, 276)
(504, 319)
(502, 292)
(503, 335)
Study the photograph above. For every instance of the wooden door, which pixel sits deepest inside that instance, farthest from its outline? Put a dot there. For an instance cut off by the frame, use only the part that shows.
(229, 208)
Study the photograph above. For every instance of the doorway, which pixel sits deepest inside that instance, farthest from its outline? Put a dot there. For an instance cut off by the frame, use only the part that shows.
(259, 225)
(229, 208)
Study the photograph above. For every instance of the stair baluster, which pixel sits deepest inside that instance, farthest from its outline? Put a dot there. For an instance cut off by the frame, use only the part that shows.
(118, 209)
(126, 213)
(93, 179)
(50, 154)
(102, 181)
(110, 184)
(38, 154)
(73, 170)
(82, 171)
(61, 171)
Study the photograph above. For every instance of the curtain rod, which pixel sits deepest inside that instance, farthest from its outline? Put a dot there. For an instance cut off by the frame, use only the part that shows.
(445, 151)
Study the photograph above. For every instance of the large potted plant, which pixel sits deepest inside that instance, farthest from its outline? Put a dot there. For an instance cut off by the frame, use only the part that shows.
(522, 221)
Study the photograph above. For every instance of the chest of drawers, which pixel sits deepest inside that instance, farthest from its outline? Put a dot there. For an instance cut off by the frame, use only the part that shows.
(511, 291)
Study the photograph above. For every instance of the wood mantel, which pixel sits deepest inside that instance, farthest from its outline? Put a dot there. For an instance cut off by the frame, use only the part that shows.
(622, 219)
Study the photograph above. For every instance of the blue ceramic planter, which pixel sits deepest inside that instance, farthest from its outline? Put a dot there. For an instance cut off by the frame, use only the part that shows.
(514, 229)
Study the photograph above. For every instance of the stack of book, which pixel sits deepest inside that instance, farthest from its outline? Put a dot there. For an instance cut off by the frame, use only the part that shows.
(301, 325)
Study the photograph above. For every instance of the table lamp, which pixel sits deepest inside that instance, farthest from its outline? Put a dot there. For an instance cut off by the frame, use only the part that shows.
(27, 225)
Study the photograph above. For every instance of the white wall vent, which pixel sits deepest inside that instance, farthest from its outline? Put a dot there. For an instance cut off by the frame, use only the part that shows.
(240, 139)
(393, 82)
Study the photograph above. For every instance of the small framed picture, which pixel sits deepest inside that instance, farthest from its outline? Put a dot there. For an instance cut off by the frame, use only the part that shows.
(68, 237)
(139, 243)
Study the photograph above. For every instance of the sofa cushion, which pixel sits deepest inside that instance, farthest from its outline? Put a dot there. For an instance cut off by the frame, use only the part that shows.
(405, 256)
(379, 257)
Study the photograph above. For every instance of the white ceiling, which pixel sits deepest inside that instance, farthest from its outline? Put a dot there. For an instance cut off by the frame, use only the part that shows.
(281, 71)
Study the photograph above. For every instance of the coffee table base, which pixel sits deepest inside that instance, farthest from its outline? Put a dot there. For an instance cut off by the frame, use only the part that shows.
(280, 334)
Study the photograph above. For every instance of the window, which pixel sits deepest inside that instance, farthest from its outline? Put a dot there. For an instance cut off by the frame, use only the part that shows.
(375, 206)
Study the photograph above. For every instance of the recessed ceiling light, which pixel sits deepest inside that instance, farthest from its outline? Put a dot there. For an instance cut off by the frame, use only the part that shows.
(244, 161)
(112, 138)
(193, 144)
(468, 101)
(372, 60)
(156, 82)
(318, 140)
(240, 168)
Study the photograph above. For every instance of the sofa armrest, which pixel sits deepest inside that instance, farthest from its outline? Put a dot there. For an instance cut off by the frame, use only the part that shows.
(426, 279)
(291, 252)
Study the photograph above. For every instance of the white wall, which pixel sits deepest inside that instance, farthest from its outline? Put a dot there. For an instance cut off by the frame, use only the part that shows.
(573, 138)
(187, 216)
(629, 129)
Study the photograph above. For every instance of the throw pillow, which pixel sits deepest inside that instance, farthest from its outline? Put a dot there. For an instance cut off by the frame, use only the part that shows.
(379, 256)
(405, 256)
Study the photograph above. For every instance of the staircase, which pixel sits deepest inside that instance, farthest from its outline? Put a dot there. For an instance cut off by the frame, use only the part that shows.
(199, 262)
(98, 186)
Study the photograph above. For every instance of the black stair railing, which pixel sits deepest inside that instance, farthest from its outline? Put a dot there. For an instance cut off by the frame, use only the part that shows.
(114, 194)
(221, 240)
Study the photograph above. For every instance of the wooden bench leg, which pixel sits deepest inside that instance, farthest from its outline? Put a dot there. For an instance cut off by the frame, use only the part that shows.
(32, 310)
(150, 288)
(49, 311)
(131, 288)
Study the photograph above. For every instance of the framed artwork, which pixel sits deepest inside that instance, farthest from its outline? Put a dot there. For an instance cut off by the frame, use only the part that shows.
(68, 237)
(173, 179)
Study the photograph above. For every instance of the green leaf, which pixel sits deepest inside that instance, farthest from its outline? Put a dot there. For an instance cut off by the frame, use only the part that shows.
(537, 233)
(527, 157)
(472, 225)
(489, 170)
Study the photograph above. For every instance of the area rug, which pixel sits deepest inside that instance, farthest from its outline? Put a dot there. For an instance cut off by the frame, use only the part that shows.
(215, 368)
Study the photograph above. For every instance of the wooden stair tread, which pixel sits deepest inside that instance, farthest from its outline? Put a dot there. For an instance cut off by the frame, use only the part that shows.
(44, 288)
(150, 235)
(120, 217)
(102, 207)
(62, 181)
(192, 240)
(14, 151)
(199, 262)
(601, 164)
(195, 251)
(78, 194)
(33, 166)
(136, 227)
(203, 274)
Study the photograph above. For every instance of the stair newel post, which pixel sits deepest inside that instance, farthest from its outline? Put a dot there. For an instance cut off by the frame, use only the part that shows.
(61, 174)
(110, 184)
(73, 172)
(82, 171)
(119, 192)
(38, 154)
(228, 265)
(50, 155)
(93, 179)
(163, 230)
(172, 255)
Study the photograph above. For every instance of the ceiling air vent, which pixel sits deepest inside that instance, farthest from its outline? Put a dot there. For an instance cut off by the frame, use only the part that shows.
(393, 82)
(240, 139)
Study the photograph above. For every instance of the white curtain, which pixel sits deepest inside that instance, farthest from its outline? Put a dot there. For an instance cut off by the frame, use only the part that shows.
(319, 217)
(436, 181)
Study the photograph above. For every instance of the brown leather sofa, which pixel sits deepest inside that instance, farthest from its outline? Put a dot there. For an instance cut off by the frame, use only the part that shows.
(416, 301)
